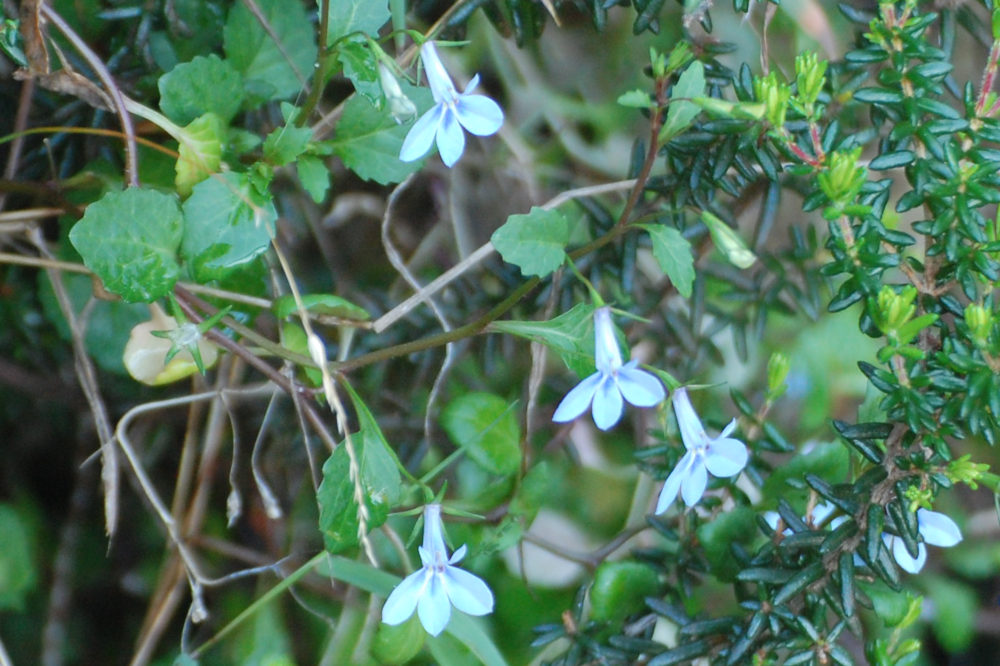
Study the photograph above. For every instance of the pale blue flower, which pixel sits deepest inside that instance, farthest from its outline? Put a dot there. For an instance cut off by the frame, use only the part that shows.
(935, 528)
(612, 385)
(433, 589)
(723, 456)
(451, 112)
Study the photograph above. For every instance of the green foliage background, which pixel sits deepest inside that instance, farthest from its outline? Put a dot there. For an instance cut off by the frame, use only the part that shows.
(735, 202)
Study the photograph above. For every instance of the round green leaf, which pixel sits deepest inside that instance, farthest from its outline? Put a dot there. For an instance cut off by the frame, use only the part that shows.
(485, 426)
(130, 240)
(619, 589)
(206, 84)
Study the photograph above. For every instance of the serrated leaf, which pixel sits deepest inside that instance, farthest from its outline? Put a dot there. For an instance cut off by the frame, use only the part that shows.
(360, 67)
(227, 225)
(535, 242)
(338, 512)
(206, 84)
(271, 70)
(379, 465)
(284, 144)
(324, 304)
(681, 112)
(368, 139)
(378, 470)
(673, 253)
(351, 16)
(571, 335)
(130, 240)
(485, 426)
(314, 176)
(199, 152)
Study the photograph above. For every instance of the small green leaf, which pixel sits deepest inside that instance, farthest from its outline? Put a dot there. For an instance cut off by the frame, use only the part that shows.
(571, 335)
(485, 426)
(368, 139)
(534, 242)
(314, 176)
(271, 70)
(728, 241)
(199, 152)
(735, 526)
(638, 99)
(324, 304)
(204, 85)
(18, 570)
(351, 16)
(673, 253)
(891, 607)
(681, 111)
(130, 240)
(227, 225)
(398, 644)
(286, 143)
(955, 625)
(829, 460)
(619, 589)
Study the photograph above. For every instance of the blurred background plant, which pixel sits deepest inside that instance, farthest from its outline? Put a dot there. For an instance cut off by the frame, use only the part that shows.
(795, 204)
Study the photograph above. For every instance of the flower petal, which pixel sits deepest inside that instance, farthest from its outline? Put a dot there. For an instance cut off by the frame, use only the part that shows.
(403, 600)
(726, 457)
(450, 138)
(434, 608)
(457, 555)
(938, 529)
(639, 387)
(607, 355)
(420, 137)
(903, 558)
(673, 483)
(578, 399)
(468, 592)
(692, 432)
(433, 544)
(479, 114)
(437, 76)
(608, 404)
(694, 484)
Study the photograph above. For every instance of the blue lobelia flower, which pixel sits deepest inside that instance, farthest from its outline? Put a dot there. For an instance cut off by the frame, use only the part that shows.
(451, 112)
(612, 384)
(935, 528)
(723, 456)
(433, 589)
